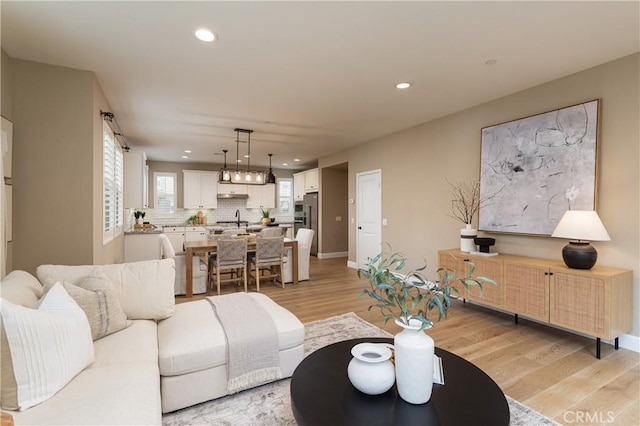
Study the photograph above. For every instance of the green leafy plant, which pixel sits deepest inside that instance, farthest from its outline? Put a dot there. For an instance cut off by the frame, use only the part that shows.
(264, 213)
(192, 219)
(411, 296)
(139, 214)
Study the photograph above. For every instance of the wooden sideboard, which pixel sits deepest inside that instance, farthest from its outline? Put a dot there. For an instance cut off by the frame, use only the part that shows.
(596, 302)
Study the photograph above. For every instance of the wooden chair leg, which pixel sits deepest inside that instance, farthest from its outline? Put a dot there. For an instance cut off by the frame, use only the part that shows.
(218, 279)
(244, 275)
(257, 278)
(281, 274)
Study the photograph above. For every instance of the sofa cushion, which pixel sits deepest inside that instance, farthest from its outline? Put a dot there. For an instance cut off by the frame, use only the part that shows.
(145, 289)
(49, 345)
(193, 339)
(97, 298)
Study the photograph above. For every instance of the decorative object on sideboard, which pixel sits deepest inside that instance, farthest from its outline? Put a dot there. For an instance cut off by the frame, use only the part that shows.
(582, 226)
(484, 244)
(465, 203)
(408, 298)
(529, 163)
(371, 370)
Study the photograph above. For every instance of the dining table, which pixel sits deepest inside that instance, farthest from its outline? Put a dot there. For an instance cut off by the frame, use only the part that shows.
(204, 247)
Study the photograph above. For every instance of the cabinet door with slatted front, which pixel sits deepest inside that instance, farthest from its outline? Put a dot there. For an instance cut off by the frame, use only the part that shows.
(580, 302)
(490, 294)
(526, 289)
(448, 261)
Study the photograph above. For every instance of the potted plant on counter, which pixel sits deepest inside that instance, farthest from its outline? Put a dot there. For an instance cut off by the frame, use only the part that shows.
(265, 216)
(139, 216)
(408, 298)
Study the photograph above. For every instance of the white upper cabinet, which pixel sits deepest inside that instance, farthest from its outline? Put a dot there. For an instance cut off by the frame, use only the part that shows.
(200, 189)
(311, 180)
(298, 186)
(261, 196)
(305, 182)
(135, 180)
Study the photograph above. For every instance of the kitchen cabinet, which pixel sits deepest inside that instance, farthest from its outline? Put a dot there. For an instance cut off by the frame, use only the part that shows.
(232, 188)
(261, 196)
(596, 302)
(298, 186)
(136, 180)
(305, 182)
(195, 233)
(200, 189)
(311, 183)
(176, 235)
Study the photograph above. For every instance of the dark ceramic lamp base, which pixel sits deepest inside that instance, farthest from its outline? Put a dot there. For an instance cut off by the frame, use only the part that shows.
(579, 255)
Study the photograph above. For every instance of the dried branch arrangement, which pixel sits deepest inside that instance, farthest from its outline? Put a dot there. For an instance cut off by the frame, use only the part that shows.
(466, 200)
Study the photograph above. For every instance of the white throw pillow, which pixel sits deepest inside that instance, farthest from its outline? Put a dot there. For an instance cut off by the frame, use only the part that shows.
(49, 345)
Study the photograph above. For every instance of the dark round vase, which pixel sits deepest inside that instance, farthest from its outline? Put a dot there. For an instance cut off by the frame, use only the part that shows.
(579, 255)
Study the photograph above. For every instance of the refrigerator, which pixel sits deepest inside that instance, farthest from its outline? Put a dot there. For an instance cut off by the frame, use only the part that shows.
(310, 218)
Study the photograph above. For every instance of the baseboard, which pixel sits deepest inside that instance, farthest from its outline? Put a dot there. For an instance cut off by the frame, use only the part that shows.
(352, 265)
(333, 255)
(629, 341)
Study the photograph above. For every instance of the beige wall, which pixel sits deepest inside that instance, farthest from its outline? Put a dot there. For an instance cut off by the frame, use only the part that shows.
(415, 162)
(55, 184)
(6, 111)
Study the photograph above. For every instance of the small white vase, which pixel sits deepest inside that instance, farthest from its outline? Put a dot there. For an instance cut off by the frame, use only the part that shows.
(371, 370)
(139, 221)
(467, 234)
(414, 363)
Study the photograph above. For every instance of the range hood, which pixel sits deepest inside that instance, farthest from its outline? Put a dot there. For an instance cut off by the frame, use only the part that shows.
(232, 196)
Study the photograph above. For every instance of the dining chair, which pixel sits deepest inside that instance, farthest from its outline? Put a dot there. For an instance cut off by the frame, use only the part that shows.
(271, 231)
(269, 255)
(231, 256)
(199, 269)
(305, 239)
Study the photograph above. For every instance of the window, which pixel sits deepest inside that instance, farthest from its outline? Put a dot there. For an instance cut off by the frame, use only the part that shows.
(285, 196)
(113, 189)
(165, 192)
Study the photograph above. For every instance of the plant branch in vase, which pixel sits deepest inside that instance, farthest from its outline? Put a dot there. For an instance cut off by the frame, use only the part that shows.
(408, 298)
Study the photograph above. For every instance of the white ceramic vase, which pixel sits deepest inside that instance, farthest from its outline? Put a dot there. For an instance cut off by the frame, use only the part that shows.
(467, 234)
(371, 370)
(414, 363)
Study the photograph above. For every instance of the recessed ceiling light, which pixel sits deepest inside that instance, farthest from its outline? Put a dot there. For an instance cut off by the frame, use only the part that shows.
(185, 156)
(403, 85)
(491, 62)
(205, 35)
(238, 161)
(187, 151)
(285, 164)
(296, 159)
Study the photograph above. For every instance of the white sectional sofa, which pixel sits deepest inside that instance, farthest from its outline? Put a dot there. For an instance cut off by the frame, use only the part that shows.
(168, 357)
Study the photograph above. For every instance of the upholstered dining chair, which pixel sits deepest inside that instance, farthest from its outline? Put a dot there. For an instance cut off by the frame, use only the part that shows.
(199, 269)
(271, 231)
(269, 256)
(304, 238)
(231, 255)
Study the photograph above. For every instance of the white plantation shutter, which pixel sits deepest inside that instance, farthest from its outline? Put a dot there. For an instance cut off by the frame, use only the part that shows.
(165, 194)
(113, 186)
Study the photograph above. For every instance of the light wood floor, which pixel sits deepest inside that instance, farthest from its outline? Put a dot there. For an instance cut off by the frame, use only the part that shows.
(554, 372)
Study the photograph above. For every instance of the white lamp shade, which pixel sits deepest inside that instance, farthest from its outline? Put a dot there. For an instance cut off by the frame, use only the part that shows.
(581, 225)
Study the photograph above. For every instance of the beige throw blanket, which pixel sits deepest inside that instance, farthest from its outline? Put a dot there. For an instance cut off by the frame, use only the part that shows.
(252, 341)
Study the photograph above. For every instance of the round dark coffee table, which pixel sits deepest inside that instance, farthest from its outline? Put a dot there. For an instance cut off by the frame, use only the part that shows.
(321, 394)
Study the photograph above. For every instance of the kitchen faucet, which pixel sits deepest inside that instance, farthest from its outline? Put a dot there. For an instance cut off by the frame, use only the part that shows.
(238, 217)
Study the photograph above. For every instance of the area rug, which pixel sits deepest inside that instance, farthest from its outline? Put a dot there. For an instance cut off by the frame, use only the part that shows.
(270, 405)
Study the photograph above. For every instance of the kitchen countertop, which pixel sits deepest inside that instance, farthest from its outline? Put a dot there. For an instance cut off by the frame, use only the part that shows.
(158, 230)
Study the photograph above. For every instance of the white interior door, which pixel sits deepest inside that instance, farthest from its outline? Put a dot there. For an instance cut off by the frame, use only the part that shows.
(369, 216)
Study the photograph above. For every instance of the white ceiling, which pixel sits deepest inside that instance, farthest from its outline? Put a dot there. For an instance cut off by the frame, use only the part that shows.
(310, 78)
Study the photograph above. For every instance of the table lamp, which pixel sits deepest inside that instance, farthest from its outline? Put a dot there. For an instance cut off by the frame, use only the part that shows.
(582, 226)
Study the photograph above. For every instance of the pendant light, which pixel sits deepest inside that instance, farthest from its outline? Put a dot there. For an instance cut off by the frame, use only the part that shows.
(225, 175)
(271, 178)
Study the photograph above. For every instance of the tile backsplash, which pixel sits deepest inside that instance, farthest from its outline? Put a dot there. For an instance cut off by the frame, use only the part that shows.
(226, 211)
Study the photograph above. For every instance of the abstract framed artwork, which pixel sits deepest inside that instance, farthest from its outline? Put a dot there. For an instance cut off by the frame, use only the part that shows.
(534, 169)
